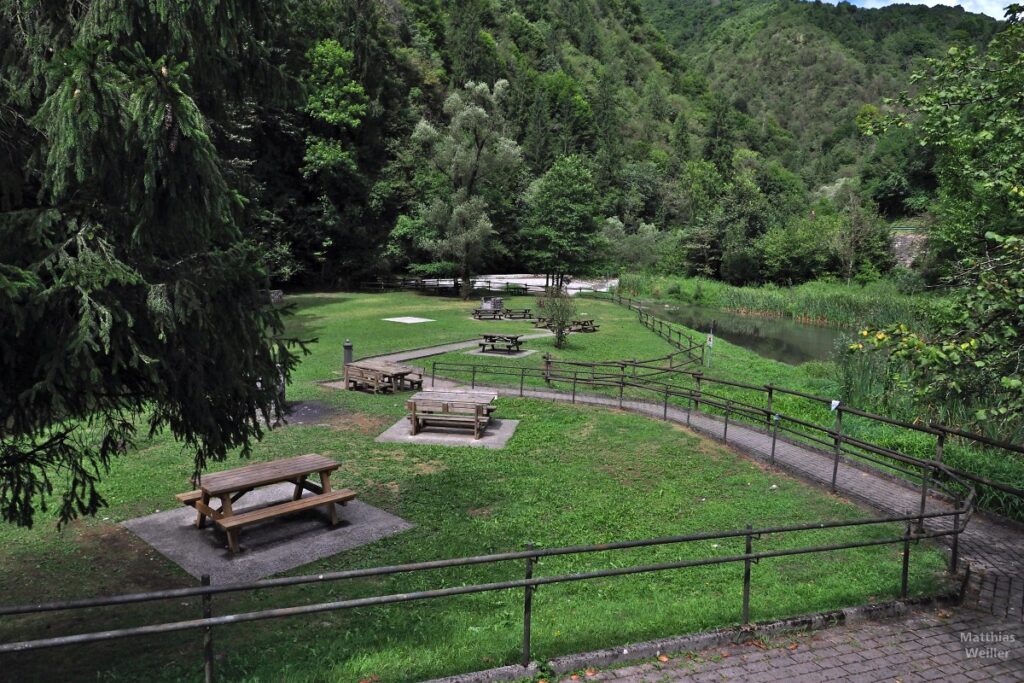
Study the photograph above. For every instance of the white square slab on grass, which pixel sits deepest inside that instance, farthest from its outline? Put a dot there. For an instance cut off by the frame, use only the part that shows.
(409, 320)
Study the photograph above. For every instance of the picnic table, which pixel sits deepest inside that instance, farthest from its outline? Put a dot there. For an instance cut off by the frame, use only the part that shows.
(382, 375)
(518, 313)
(471, 409)
(231, 485)
(510, 342)
(583, 326)
(488, 313)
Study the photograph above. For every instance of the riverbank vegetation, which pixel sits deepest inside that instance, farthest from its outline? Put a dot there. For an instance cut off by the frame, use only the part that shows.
(834, 303)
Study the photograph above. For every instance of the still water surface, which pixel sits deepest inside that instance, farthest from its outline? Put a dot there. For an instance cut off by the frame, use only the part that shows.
(781, 339)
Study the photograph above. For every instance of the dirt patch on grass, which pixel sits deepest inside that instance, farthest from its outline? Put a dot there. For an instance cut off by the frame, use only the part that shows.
(429, 467)
(480, 513)
(129, 565)
(360, 423)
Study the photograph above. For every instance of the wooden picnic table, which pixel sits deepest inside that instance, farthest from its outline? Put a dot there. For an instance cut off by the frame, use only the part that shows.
(488, 313)
(471, 409)
(509, 341)
(382, 375)
(231, 485)
(518, 313)
(586, 325)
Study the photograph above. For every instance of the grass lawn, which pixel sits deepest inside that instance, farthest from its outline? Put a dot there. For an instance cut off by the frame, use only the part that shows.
(570, 475)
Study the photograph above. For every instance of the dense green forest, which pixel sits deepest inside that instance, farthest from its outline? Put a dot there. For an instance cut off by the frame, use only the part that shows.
(809, 67)
(161, 163)
(358, 138)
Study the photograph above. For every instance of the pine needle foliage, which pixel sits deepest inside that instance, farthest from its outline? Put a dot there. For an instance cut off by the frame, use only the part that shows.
(127, 293)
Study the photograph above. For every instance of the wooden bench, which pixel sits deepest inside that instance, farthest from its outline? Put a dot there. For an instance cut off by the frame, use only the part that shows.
(518, 313)
(450, 409)
(423, 413)
(327, 500)
(357, 377)
(488, 313)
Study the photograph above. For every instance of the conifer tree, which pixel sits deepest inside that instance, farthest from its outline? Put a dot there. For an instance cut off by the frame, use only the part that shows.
(126, 289)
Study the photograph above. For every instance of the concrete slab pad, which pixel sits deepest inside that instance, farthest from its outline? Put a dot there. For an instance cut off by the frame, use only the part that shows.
(270, 547)
(408, 320)
(501, 354)
(497, 435)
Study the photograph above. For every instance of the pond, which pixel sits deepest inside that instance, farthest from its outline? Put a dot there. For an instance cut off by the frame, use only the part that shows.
(781, 339)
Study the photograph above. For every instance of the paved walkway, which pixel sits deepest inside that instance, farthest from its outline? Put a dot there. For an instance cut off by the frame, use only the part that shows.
(929, 646)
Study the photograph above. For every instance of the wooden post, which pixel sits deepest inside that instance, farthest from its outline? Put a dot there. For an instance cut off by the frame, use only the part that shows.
(775, 436)
(939, 447)
(696, 400)
(725, 431)
(954, 552)
(522, 378)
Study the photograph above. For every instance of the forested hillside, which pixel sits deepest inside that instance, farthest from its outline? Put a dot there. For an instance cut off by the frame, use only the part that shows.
(347, 139)
(811, 66)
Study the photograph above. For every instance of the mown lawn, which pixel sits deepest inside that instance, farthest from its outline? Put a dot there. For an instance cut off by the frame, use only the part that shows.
(571, 475)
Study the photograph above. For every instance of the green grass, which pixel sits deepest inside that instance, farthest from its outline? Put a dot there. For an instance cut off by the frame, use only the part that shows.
(571, 475)
(823, 303)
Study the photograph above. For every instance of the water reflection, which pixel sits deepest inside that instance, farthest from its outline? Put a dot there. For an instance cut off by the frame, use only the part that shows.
(781, 339)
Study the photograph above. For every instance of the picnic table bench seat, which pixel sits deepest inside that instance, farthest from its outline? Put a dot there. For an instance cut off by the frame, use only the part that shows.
(341, 496)
(488, 313)
(518, 313)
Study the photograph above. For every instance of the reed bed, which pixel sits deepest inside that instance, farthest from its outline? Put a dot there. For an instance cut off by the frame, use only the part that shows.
(817, 303)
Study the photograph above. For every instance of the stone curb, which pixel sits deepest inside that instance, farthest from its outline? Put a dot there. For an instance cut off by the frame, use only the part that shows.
(514, 672)
(702, 641)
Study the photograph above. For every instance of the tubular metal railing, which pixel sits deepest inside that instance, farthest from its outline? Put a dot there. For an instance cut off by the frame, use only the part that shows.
(674, 385)
(958, 517)
(658, 385)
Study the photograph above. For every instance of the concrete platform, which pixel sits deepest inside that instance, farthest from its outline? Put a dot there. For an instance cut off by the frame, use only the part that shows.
(270, 547)
(497, 435)
(501, 354)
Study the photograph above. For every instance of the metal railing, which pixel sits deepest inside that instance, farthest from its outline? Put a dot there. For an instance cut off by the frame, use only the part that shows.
(958, 518)
(654, 384)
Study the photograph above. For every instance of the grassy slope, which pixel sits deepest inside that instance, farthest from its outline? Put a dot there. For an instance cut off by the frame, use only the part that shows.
(570, 475)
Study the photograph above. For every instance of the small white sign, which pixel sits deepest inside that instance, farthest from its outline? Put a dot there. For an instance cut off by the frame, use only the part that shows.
(408, 320)
(711, 340)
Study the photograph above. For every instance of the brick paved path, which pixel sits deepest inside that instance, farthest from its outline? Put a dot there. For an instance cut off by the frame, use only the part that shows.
(925, 647)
